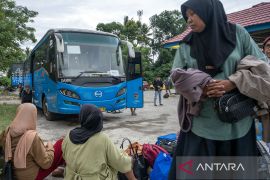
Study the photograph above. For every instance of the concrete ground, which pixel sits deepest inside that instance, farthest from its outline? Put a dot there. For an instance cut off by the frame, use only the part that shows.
(151, 121)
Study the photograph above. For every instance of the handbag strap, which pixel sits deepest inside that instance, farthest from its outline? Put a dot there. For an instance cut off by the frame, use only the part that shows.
(135, 154)
(122, 146)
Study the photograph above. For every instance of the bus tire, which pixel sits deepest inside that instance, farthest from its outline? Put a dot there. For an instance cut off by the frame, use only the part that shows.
(48, 115)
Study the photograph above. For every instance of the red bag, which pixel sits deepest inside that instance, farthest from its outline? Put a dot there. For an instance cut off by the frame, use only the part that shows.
(151, 151)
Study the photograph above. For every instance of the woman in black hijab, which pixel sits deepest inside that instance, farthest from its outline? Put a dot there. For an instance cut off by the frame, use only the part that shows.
(90, 154)
(91, 120)
(214, 46)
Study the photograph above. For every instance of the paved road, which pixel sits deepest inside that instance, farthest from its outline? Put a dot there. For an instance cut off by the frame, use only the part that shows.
(150, 122)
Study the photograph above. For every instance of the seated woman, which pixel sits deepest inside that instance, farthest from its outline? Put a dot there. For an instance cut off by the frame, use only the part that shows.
(32, 159)
(90, 154)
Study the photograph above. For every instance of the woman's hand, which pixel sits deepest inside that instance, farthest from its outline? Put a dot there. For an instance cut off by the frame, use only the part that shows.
(49, 145)
(216, 88)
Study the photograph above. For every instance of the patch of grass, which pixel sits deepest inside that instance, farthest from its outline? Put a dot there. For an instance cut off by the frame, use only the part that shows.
(7, 114)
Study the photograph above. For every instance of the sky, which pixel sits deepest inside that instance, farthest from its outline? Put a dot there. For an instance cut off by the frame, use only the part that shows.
(86, 14)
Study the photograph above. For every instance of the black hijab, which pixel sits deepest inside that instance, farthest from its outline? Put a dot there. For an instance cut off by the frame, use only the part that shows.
(91, 120)
(212, 46)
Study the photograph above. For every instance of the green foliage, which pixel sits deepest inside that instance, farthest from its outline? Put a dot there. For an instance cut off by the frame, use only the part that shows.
(147, 63)
(5, 81)
(131, 30)
(166, 25)
(14, 31)
(163, 64)
(165, 56)
(113, 27)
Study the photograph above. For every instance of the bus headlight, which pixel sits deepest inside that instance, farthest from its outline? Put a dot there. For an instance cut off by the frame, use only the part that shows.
(121, 92)
(69, 93)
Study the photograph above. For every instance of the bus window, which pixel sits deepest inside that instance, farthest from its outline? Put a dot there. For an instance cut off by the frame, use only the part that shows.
(134, 67)
(52, 58)
(90, 53)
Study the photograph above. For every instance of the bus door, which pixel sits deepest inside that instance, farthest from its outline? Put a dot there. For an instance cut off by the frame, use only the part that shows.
(134, 97)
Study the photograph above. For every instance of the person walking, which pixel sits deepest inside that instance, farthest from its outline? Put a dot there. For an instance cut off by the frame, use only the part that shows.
(158, 88)
(215, 47)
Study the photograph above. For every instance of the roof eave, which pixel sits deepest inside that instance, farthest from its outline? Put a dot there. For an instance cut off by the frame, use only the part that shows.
(258, 27)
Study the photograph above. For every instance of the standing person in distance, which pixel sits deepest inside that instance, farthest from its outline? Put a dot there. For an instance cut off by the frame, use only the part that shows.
(27, 95)
(158, 84)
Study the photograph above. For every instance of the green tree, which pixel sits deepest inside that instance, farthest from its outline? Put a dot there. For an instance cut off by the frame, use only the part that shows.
(166, 25)
(5, 81)
(113, 27)
(14, 31)
(143, 37)
(130, 30)
(147, 63)
(163, 64)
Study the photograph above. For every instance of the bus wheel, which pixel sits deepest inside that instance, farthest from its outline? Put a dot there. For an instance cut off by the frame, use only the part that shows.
(49, 116)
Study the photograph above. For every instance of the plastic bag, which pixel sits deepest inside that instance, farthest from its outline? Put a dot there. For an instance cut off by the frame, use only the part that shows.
(161, 167)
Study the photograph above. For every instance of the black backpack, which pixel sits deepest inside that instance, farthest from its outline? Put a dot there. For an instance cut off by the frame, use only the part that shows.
(166, 95)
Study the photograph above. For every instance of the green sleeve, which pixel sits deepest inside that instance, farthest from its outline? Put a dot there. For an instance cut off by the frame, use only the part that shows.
(117, 159)
(249, 45)
(64, 144)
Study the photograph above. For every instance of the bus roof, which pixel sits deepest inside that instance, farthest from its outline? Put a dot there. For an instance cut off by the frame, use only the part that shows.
(80, 30)
(59, 30)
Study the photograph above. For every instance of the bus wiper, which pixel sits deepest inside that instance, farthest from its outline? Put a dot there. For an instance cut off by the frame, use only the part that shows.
(118, 78)
(81, 73)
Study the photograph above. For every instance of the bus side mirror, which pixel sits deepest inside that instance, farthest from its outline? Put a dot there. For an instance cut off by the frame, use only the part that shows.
(131, 51)
(59, 43)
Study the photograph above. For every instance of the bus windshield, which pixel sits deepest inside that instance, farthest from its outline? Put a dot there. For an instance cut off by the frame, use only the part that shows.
(90, 55)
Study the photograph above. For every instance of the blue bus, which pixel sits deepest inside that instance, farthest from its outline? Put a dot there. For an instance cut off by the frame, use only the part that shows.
(71, 67)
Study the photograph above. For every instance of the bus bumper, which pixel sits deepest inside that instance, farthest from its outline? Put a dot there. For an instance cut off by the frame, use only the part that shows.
(72, 106)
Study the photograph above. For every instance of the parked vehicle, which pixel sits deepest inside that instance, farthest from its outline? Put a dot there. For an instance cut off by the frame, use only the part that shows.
(71, 67)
